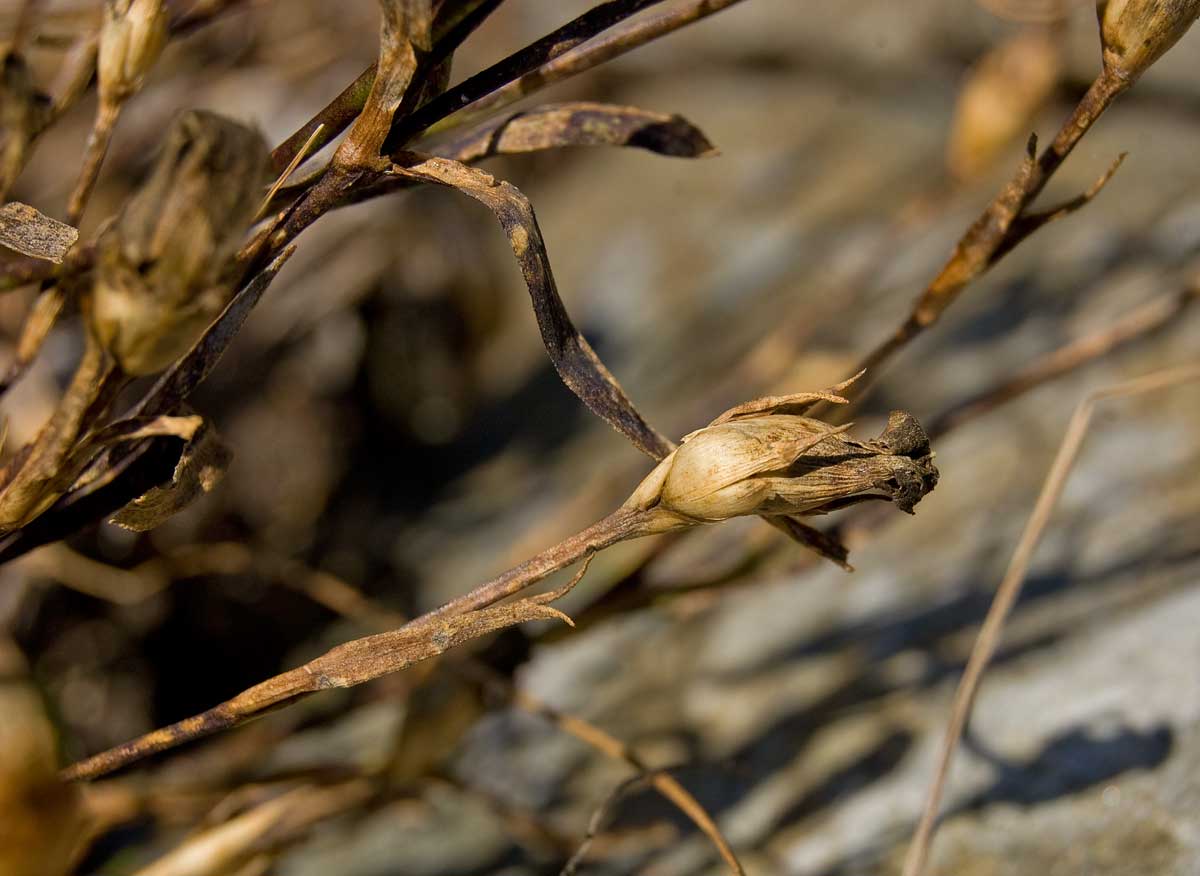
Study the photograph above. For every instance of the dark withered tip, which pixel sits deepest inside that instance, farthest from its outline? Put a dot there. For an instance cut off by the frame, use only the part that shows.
(903, 437)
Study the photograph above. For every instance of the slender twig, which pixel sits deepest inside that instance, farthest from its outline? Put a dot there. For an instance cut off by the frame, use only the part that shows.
(97, 147)
(469, 616)
(1010, 589)
(998, 228)
(1138, 323)
(599, 816)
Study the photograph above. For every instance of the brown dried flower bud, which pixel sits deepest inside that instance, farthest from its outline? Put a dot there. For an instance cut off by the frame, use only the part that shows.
(782, 464)
(132, 36)
(1136, 33)
(161, 267)
(23, 114)
(999, 99)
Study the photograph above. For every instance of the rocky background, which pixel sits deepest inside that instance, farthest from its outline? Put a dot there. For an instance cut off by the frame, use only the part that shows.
(397, 427)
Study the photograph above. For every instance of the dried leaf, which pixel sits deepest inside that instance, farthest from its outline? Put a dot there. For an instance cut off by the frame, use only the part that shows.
(31, 233)
(596, 20)
(812, 538)
(201, 467)
(573, 358)
(577, 124)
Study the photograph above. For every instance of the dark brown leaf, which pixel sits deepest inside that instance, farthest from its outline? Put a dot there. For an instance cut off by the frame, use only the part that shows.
(574, 359)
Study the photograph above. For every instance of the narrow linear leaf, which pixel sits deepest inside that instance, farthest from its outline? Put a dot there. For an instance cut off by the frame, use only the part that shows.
(573, 358)
(595, 21)
(578, 124)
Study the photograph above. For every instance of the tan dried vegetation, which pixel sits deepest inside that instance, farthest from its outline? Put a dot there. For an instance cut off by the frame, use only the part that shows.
(168, 281)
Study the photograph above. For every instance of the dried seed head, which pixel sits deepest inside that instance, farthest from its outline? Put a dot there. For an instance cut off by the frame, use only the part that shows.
(23, 114)
(999, 99)
(1136, 33)
(781, 464)
(161, 267)
(132, 36)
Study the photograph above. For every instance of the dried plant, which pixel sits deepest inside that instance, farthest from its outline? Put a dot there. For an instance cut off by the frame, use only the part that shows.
(165, 284)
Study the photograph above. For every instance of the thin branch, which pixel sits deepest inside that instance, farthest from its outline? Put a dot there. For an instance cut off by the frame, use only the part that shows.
(1138, 323)
(348, 665)
(1010, 589)
(1001, 226)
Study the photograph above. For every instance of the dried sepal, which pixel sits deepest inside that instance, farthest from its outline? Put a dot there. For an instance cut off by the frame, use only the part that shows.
(160, 275)
(785, 465)
(1136, 33)
(132, 35)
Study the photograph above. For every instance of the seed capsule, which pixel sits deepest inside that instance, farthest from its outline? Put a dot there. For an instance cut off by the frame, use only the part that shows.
(781, 464)
(160, 267)
(132, 36)
(1136, 33)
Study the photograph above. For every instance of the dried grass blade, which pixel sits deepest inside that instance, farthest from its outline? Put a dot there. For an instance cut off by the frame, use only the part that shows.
(596, 20)
(1010, 588)
(577, 124)
(573, 358)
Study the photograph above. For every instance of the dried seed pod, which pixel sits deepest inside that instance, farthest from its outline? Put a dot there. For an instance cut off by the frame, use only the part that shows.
(781, 464)
(1136, 33)
(160, 267)
(132, 36)
(999, 99)
(23, 114)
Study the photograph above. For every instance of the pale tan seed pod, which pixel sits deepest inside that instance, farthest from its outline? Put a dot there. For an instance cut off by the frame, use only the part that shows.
(785, 465)
(161, 267)
(1000, 98)
(1136, 33)
(132, 36)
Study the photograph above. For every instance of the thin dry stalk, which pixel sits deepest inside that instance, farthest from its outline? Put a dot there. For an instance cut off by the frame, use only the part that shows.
(596, 822)
(1004, 224)
(1010, 589)
(663, 782)
(1138, 323)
